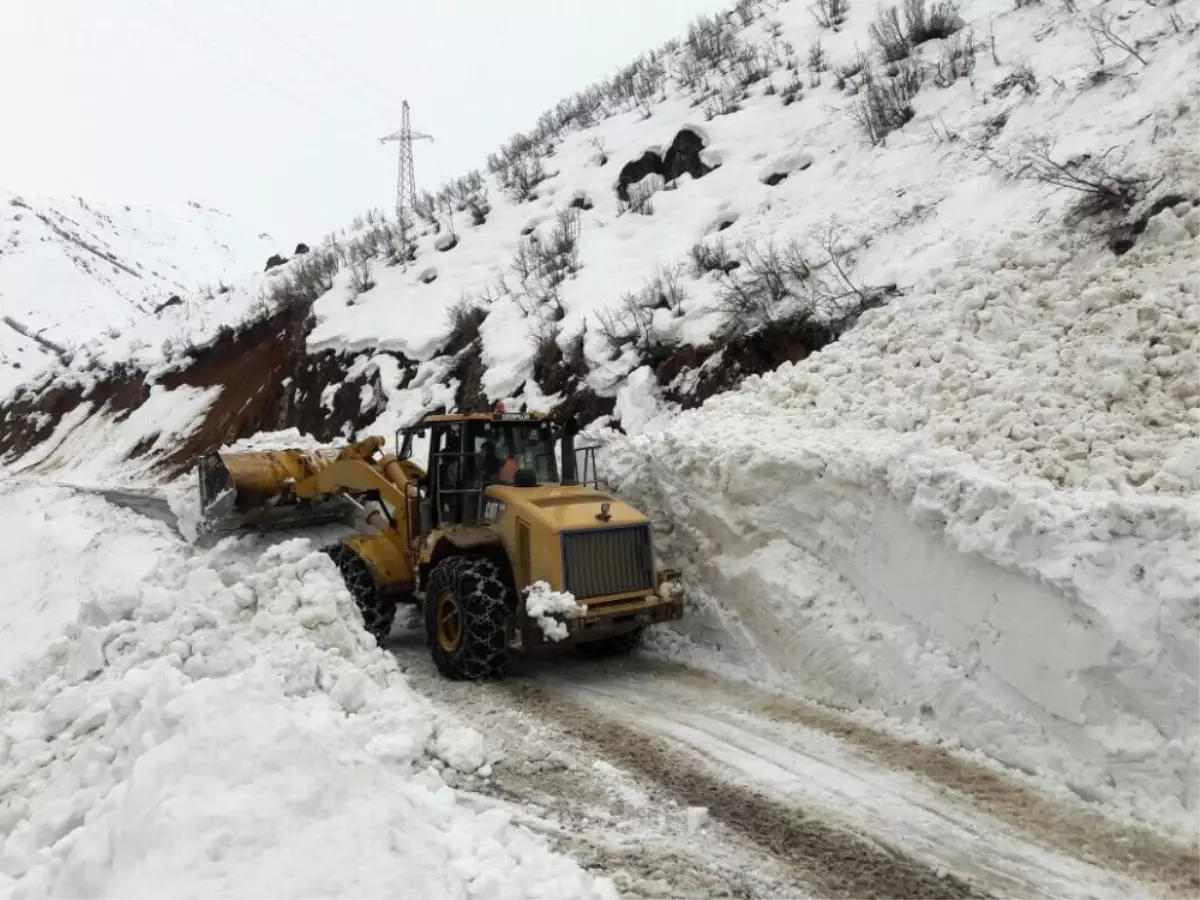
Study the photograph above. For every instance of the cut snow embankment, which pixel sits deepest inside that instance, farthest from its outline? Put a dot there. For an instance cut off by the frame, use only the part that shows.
(219, 724)
(977, 512)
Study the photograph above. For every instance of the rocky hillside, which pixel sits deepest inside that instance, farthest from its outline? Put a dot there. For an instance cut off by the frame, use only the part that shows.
(727, 203)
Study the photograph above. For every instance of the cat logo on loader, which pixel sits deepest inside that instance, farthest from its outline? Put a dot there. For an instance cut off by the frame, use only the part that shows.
(465, 536)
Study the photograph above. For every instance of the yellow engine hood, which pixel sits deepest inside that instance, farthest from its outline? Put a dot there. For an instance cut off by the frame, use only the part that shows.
(560, 508)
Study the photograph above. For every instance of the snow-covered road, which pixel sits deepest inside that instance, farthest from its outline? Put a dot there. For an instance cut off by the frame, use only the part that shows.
(839, 808)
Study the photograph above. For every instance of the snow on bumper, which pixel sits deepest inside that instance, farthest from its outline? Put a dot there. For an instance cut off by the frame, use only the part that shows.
(598, 620)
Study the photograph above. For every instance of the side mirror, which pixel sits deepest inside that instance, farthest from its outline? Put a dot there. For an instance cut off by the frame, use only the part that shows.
(405, 450)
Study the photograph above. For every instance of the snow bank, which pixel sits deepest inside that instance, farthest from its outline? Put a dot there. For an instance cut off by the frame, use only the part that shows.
(548, 608)
(984, 524)
(40, 597)
(221, 725)
(285, 439)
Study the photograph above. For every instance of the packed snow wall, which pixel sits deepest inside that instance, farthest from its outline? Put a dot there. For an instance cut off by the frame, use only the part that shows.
(1015, 570)
(894, 582)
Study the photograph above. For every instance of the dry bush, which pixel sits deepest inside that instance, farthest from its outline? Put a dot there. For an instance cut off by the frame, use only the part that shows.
(1101, 189)
(886, 103)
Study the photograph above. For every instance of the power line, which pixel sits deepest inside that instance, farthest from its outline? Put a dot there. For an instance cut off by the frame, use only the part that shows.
(275, 30)
(232, 60)
(320, 50)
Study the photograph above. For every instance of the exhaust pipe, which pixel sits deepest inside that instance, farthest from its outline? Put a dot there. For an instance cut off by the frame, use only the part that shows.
(570, 470)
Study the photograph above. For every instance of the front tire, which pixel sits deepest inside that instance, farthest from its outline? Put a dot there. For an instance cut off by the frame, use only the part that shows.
(466, 607)
(378, 611)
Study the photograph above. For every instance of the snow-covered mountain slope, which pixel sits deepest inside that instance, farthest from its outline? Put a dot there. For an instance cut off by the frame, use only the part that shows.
(72, 271)
(972, 517)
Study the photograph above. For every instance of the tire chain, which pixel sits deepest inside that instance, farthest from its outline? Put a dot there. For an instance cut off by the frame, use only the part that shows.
(377, 612)
(483, 604)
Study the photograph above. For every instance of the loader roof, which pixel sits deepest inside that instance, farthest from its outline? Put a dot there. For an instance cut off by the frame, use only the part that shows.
(487, 417)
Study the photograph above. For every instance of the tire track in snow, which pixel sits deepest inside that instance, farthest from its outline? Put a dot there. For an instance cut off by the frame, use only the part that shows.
(1136, 852)
(840, 863)
(608, 819)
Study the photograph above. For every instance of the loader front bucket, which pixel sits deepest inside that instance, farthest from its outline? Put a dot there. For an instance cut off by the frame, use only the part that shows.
(253, 490)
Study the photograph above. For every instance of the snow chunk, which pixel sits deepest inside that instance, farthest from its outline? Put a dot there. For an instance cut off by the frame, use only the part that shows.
(783, 166)
(460, 747)
(286, 439)
(548, 608)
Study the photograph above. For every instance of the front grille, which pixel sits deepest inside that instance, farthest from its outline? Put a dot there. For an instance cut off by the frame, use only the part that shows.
(605, 561)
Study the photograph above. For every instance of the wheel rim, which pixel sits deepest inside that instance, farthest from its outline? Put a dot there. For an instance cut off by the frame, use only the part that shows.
(449, 622)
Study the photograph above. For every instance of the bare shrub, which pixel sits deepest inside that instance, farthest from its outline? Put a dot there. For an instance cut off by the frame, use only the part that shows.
(664, 289)
(957, 60)
(723, 102)
(886, 103)
(859, 67)
(630, 323)
(478, 206)
(768, 275)
(792, 89)
(1103, 34)
(1101, 189)
(525, 174)
(749, 67)
(712, 257)
(524, 260)
(711, 43)
(926, 23)
(360, 278)
(559, 256)
(889, 36)
(542, 265)
(744, 10)
(640, 198)
(425, 207)
(1022, 76)
(465, 318)
(818, 62)
(895, 40)
(830, 13)
(811, 289)
(547, 354)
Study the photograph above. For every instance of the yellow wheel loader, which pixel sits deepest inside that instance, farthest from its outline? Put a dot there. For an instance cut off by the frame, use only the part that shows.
(464, 537)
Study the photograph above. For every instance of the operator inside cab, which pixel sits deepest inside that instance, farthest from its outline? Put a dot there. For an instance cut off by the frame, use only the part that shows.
(499, 463)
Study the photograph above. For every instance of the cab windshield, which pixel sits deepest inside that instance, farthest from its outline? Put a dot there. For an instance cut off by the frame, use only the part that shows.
(504, 448)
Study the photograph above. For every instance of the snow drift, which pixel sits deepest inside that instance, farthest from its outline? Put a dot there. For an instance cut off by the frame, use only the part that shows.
(976, 512)
(219, 724)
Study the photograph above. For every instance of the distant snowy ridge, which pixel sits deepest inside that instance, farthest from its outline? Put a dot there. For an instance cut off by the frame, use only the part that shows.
(71, 271)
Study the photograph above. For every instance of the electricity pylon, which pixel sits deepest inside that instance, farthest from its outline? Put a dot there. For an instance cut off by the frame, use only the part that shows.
(406, 180)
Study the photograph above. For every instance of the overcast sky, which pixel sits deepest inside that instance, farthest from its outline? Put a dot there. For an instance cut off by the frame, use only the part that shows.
(271, 110)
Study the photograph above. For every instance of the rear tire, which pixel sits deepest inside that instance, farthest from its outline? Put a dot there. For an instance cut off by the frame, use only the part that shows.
(378, 611)
(466, 607)
(617, 645)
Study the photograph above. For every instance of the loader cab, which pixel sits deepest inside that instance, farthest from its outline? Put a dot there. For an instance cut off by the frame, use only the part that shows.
(468, 454)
